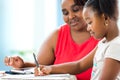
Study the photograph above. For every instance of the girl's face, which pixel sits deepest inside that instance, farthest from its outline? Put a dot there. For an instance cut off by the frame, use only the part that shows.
(72, 15)
(95, 23)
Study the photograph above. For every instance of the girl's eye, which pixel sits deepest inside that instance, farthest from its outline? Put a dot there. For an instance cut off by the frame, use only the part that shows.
(76, 8)
(65, 12)
(89, 23)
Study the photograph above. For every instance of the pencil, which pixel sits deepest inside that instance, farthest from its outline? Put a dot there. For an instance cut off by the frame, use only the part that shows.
(36, 62)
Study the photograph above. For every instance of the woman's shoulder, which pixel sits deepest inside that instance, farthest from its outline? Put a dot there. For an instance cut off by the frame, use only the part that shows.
(64, 26)
(61, 28)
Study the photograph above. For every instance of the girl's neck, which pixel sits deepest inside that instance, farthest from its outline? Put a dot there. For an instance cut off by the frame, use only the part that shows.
(112, 32)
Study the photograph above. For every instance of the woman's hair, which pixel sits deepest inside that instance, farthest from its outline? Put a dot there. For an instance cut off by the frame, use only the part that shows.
(107, 7)
(80, 2)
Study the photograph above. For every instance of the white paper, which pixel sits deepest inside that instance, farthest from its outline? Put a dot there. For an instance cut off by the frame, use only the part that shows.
(32, 77)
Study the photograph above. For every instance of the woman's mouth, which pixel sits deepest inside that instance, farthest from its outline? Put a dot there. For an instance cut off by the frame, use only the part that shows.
(74, 22)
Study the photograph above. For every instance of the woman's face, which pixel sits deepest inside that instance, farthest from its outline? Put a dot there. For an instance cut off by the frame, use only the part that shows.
(95, 23)
(72, 15)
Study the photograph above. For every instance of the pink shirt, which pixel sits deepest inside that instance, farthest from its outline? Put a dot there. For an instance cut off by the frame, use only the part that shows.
(67, 50)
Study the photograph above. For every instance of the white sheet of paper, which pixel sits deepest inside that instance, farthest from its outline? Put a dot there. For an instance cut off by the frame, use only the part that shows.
(47, 77)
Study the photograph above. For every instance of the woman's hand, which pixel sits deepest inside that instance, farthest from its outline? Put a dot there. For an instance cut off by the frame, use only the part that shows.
(15, 62)
(42, 70)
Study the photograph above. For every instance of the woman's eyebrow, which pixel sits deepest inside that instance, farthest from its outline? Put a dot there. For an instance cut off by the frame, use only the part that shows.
(74, 5)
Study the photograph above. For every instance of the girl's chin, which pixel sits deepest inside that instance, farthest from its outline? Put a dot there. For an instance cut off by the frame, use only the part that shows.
(98, 38)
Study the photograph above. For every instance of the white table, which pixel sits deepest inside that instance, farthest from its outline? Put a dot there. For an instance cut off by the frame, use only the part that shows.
(32, 77)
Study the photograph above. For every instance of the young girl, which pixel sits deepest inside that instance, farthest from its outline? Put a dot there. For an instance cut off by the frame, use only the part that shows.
(101, 17)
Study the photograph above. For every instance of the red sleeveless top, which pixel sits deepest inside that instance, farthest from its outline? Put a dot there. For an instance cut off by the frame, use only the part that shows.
(67, 50)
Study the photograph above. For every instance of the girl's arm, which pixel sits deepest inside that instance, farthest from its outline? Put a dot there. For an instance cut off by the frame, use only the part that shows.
(76, 66)
(71, 67)
(110, 69)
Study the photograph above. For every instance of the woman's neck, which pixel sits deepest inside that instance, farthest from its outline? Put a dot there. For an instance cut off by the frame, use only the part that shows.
(80, 36)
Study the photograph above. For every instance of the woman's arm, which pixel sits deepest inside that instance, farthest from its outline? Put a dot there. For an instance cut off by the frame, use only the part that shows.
(46, 54)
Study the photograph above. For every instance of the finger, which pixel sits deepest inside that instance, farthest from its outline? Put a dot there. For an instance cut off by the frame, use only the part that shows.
(11, 61)
(39, 71)
(7, 60)
(18, 58)
(45, 71)
(36, 73)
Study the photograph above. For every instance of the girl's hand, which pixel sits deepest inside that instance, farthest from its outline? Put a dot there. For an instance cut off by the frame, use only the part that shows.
(42, 70)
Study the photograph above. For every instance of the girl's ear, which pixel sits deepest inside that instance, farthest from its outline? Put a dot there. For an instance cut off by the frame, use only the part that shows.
(105, 19)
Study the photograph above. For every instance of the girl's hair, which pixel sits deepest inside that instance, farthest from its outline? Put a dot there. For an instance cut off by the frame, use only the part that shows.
(80, 2)
(107, 7)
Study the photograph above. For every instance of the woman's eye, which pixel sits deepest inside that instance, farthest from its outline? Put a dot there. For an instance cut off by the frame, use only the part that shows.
(65, 12)
(76, 8)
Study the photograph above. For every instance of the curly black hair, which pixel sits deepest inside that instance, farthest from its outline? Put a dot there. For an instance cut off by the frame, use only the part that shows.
(80, 2)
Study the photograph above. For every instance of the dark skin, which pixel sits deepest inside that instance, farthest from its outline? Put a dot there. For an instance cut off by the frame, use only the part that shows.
(72, 15)
(71, 67)
(109, 31)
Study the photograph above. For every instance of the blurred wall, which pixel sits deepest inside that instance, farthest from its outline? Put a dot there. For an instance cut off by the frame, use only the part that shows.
(24, 25)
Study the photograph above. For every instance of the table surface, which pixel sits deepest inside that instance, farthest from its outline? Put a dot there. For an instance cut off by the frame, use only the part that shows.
(32, 77)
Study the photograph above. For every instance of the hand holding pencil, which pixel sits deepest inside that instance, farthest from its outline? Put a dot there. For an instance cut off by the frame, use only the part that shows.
(37, 64)
(41, 69)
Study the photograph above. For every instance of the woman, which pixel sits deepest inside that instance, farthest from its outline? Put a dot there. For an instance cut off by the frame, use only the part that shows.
(69, 43)
(101, 17)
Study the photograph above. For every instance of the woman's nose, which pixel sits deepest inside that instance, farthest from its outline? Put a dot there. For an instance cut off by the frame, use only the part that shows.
(71, 15)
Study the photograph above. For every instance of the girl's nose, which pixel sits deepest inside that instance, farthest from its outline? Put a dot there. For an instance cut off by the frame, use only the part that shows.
(88, 27)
